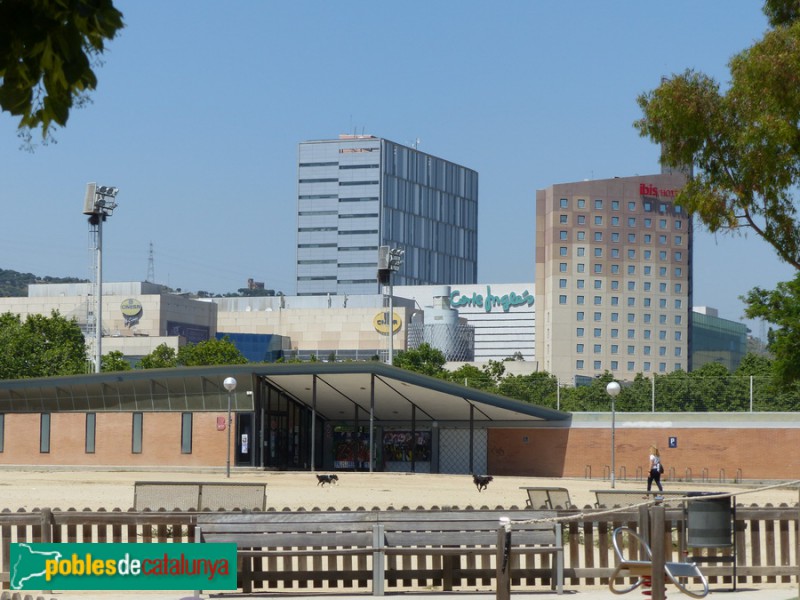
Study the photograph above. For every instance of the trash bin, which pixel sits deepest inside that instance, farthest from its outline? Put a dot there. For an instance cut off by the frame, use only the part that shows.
(709, 522)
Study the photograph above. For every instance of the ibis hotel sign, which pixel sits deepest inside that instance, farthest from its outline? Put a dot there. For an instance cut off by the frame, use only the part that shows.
(490, 301)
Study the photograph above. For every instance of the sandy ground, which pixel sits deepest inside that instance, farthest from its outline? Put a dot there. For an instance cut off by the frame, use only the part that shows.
(22, 488)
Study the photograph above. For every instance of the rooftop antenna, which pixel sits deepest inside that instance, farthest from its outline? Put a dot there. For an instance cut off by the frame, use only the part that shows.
(151, 266)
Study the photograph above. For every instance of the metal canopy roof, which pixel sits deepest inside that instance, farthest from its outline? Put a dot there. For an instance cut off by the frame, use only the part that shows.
(342, 391)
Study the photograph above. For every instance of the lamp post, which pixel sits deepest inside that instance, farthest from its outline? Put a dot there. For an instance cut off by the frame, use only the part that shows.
(230, 385)
(613, 389)
(389, 262)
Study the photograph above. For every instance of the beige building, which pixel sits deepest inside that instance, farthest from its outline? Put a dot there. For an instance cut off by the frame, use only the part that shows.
(613, 277)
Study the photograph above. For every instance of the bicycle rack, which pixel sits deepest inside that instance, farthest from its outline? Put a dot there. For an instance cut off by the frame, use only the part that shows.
(623, 473)
(688, 475)
(738, 476)
(722, 475)
(606, 472)
(704, 475)
(587, 472)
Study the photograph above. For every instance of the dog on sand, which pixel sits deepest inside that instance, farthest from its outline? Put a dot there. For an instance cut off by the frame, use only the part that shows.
(481, 481)
(323, 479)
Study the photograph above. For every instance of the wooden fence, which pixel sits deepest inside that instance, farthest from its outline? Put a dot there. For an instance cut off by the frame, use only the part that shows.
(766, 542)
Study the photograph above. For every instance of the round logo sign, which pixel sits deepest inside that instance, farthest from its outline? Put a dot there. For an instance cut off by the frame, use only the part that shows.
(131, 307)
(382, 327)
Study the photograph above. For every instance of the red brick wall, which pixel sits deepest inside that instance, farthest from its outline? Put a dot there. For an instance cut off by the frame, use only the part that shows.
(161, 440)
(765, 453)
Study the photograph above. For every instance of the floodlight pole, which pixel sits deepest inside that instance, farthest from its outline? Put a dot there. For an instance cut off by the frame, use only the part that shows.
(98, 318)
(389, 262)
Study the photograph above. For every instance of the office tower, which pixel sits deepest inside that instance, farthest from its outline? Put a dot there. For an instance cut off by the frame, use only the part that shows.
(613, 278)
(360, 192)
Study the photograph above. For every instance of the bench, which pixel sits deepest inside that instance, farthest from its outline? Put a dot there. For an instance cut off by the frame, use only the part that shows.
(547, 497)
(612, 498)
(172, 495)
(391, 548)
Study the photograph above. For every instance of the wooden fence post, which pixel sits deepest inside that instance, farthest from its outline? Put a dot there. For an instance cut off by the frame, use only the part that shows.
(657, 548)
(504, 560)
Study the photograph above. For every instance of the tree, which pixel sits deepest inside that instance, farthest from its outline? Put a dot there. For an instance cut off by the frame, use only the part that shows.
(210, 352)
(473, 377)
(40, 346)
(114, 361)
(780, 307)
(538, 388)
(744, 144)
(162, 357)
(48, 49)
(425, 359)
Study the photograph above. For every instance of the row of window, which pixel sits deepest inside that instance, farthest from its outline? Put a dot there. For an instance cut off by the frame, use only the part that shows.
(341, 231)
(332, 196)
(580, 316)
(647, 205)
(631, 222)
(342, 248)
(90, 432)
(597, 366)
(330, 213)
(631, 350)
(613, 253)
(334, 164)
(647, 238)
(647, 286)
(614, 269)
(630, 301)
(341, 183)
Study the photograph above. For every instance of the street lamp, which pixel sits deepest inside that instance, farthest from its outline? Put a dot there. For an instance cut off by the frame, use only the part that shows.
(613, 390)
(230, 385)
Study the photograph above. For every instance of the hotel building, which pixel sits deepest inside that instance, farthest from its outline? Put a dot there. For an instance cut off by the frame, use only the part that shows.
(613, 278)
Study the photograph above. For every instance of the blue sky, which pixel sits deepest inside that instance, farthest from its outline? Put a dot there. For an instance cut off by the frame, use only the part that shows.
(201, 105)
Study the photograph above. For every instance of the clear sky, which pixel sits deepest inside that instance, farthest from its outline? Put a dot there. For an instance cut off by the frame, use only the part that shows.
(201, 105)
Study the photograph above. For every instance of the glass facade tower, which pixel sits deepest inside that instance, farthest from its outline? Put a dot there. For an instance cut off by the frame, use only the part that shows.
(360, 192)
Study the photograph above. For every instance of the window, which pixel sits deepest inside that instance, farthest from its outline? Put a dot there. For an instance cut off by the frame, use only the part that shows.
(44, 433)
(631, 301)
(678, 271)
(562, 235)
(647, 334)
(662, 287)
(581, 236)
(581, 219)
(648, 223)
(598, 348)
(662, 271)
(581, 203)
(579, 332)
(646, 286)
(615, 236)
(631, 334)
(678, 256)
(598, 316)
(581, 267)
(615, 253)
(662, 255)
(597, 365)
(646, 366)
(579, 316)
(581, 283)
(562, 299)
(631, 317)
(678, 225)
(631, 349)
(648, 238)
(647, 302)
(648, 254)
(91, 432)
(614, 317)
(631, 286)
(598, 300)
(598, 204)
(563, 219)
(615, 333)
(678, 304)
(598, 220)
(631, 206)
(662, 367)
(136, 433)
(648, 206)
(662, 239)
(662, 350)
(615, 205)
(615, 221)
(614, 365)
(662, 223)
(678, 319)
(647, 350)
(598, 253)
(614, 349)
(581, 251)
(631, 238)
(631, 365)
(598, 332)
(632, 254)
(662, 319)
(579, 348)
(579, 364)
(678, 351)
(631, 221)
(647, 269)
(562, 251)
(647, 317)
(562, 267)
(678, 240)
(598, 268)
(631, 269)
(598, 284)
(562, 283)
(614, 271)
(564, 203)
(186, 433)
(662, 303)
(580, 299)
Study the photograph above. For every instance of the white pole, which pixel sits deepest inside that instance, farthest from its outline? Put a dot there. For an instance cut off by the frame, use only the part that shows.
(653, 394)
(751, 393)
(391, 321)
(98, 321)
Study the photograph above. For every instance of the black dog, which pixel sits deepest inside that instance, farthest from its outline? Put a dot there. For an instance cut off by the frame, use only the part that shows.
(323, 479)
(481, 481)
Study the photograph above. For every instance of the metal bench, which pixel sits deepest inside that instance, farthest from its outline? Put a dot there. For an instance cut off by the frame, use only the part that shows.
(176, 495)
(612, 498)
(547, 497)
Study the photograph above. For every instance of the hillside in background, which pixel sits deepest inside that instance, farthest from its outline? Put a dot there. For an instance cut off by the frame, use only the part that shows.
(15, 284)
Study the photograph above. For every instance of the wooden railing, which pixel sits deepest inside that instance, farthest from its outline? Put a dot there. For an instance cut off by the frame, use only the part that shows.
(766, 541)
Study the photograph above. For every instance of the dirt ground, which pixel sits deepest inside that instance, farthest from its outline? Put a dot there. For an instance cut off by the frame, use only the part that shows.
(25, 489)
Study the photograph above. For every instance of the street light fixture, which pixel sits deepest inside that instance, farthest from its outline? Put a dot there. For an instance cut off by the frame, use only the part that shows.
(613, 390)
(230, 385)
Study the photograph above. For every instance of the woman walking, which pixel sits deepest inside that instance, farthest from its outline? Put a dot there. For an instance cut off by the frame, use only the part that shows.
(655, 469)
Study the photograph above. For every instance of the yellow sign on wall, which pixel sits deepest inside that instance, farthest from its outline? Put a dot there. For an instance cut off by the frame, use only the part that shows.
(382, 327)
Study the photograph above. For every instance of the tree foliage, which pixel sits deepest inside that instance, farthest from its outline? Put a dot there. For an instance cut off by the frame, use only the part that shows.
(162, 357)
(114, 361)
(48, 49)
(40, 346)
(425, 359)
(210, 352)
(744, 144)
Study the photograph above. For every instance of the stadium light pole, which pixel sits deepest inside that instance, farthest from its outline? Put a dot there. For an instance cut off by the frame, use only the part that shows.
(230, 385)
(613, 390)
(99, 204)
(389, 262)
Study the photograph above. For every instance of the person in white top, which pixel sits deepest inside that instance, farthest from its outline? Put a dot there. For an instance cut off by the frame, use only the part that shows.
(655, 469)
